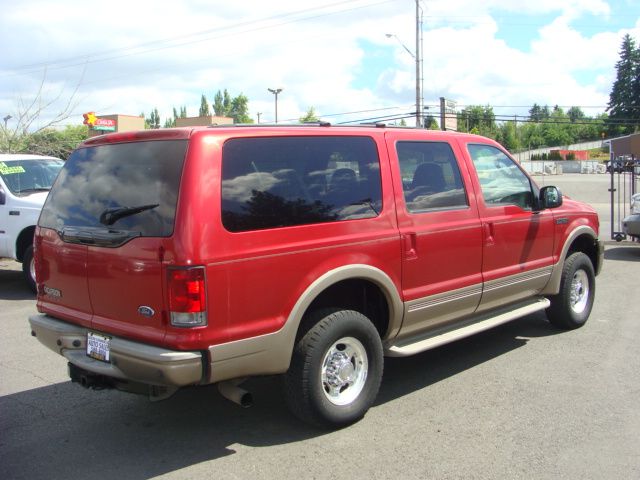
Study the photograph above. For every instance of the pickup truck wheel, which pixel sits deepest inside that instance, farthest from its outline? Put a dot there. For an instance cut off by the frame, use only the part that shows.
(29, 268)
(335, 370)
(570, 309)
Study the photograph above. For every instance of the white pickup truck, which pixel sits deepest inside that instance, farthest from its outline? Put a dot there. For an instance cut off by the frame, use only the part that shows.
(25, 181)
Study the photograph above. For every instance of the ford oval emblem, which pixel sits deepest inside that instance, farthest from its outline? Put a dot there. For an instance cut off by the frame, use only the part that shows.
(146, 311)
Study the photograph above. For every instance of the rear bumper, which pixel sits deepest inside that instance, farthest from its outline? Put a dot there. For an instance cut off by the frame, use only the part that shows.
(129, 361)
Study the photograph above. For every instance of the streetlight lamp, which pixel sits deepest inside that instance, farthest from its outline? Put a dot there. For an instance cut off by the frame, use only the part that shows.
(416, 57)
(6, 119)
(275, 91)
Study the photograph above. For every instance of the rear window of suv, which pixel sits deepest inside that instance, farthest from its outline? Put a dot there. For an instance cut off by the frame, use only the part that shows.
(287, 181)
(128, 187)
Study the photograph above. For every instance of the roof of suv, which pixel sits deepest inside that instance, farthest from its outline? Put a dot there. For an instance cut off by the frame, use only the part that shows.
(280, 129)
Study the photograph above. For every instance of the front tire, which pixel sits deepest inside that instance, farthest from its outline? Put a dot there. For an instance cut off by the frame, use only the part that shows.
(29, 268)
(335, 370)
(572, 306)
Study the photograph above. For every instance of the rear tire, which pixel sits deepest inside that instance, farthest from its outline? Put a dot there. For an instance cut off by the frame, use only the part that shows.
(571, 308)
(28, 268)
(335, 370)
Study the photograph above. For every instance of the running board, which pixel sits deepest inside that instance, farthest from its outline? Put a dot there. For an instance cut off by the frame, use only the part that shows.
(411, 346)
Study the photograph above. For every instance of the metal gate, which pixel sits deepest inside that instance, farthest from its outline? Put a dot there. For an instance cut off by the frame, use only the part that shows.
(625, 174)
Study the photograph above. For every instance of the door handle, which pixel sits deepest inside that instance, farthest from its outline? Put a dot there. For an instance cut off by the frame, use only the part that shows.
(488, 234)
(409, 246)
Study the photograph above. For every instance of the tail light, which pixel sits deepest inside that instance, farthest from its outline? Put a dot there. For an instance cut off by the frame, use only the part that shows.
(187, 297)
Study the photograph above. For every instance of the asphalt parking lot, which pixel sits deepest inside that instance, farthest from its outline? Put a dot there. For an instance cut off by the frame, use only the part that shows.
(523, 400)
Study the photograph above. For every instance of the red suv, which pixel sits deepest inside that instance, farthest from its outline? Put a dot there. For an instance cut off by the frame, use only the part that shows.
(179, 257)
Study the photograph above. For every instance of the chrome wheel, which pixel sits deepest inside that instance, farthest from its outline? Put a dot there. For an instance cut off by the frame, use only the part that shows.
(344, 371)
(336, 368)
(579, 291)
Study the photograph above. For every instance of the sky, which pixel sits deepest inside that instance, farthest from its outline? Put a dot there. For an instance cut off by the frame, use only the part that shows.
(129, 57)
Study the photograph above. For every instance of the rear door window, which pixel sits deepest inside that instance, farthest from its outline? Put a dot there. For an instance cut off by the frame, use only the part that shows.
(287, 181)
(108, 191)
(430, 176)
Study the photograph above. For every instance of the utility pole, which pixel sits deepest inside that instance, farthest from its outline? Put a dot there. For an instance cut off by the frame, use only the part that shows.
(275, 91)
(418, 57)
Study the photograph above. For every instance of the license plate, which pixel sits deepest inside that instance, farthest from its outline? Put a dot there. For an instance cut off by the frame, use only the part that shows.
(98, 346)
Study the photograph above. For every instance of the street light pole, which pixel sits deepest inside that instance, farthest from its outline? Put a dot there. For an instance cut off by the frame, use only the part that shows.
(418, 60)
(275, 91)
(6, 119)
(419, 122)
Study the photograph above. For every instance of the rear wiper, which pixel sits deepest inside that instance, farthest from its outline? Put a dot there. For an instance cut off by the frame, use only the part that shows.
(112, 215)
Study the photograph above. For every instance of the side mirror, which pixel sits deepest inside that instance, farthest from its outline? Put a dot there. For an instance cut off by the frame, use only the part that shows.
(3, 196)
(550, 197)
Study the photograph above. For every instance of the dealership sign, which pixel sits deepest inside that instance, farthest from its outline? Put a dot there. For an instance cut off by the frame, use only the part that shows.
(96, 123)
(448, 114)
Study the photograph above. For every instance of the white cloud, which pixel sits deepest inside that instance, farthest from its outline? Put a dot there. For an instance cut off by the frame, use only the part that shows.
(130, 57)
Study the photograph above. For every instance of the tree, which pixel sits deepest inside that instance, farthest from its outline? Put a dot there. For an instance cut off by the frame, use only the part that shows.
(35, 114)
(429, 122)
(556, 129)
(53, 142)
(239, 109)
(218, 104)
(508, 135)
(222, 103)
(538, 113)
(478, 119)
(204, 107)
(531, 136)
(575, 113)
(310, 116)
(153, 120)
(624, 105)
(236, 108)
(226, 101)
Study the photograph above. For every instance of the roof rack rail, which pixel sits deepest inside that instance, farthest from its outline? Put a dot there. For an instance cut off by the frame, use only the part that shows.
(320, 123)
(286, 125)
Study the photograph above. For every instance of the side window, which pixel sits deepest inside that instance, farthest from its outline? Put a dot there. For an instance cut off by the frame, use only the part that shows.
(501, 180)
(273, 182)
(430, 176)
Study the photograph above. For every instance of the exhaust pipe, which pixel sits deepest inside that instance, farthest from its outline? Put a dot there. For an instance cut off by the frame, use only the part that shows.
(231, 391)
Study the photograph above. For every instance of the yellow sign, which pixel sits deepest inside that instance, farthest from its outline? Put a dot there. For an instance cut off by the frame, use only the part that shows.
(7, 170)
(89, 119)
(96, 123)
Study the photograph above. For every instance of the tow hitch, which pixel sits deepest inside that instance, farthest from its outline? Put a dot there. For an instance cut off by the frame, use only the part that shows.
(88, 379)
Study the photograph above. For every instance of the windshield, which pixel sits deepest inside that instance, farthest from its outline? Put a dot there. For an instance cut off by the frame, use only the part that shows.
(128, 187)
(24, 177)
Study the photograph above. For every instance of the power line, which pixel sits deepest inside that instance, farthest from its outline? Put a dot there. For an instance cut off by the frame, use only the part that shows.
(212, 34)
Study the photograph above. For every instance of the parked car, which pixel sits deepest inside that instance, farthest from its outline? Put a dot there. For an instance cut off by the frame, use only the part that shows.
(25, 181)
(177, 257)
(620, 166)
(631, 223)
